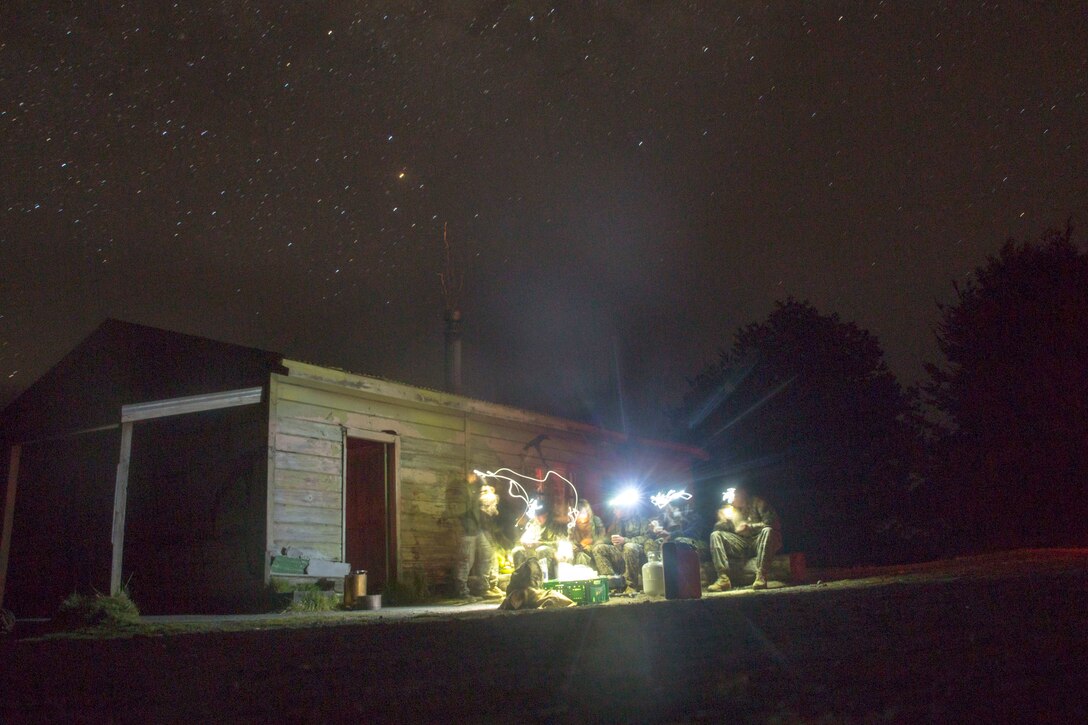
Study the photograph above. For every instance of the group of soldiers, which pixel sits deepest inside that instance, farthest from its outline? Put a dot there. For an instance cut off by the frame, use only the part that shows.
(746, 528)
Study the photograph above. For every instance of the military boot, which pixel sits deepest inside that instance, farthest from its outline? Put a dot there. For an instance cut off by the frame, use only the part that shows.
(760, 582)
(722, 585)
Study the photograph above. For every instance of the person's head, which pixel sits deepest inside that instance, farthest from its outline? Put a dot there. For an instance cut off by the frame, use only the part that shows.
(740, 498)
(585, 513)
(489, 500)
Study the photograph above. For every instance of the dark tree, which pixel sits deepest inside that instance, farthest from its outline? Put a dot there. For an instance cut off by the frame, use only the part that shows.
(804, 410)
(1013, 396)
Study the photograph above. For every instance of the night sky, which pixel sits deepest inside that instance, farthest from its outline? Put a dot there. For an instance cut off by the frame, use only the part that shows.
(625, 183)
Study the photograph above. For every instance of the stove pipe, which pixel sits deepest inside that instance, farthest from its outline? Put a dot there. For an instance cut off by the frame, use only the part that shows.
(453, 351)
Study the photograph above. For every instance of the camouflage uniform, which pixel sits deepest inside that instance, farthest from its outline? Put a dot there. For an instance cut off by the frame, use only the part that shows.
(611, 559)
(761, 541)
(477, 554)
(583, 541)
(684, 526)
(544, 551)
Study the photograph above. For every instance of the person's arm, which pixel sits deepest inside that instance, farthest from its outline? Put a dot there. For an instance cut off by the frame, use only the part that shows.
(600, 534)
(657, 531)
(725, 520)
(768, 518)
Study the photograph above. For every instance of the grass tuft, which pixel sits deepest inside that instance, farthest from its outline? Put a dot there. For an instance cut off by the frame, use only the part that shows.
(97, 611)
(313, 600)
(412, 589)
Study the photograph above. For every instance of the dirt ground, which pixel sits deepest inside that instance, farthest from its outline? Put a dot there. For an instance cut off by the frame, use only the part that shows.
(997, 638)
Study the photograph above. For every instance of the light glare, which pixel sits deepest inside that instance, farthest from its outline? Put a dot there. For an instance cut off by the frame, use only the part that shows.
(626, 498)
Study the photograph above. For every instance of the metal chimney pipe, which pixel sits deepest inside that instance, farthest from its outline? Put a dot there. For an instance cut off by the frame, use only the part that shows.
(453, 351)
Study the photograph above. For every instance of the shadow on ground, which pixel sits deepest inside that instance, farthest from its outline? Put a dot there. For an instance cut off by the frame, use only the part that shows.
(994, 638)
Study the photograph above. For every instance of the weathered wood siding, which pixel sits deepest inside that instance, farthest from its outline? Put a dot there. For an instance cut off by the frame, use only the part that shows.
(439, 438)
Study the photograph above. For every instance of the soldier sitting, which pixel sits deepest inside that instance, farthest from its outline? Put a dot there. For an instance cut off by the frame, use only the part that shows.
(747, 528)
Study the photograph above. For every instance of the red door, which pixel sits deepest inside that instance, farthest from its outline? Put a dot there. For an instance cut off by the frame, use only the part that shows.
(369, 511)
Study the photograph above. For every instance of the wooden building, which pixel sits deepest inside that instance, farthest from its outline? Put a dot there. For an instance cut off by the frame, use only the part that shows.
(179, 467)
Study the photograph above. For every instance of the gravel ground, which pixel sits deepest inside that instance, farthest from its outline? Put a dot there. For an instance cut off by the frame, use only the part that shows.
(998, 638)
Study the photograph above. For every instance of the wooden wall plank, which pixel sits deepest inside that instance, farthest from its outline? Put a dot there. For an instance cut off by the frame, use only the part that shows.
(310, 429)
(441, 449)
(427, 477)
(308, 533)
(452, 468)
(319, 499)
(310, 446)
(435, 541)
(308, 480)
(311, 464)
(286, 515)
(514, 446)
(361, 421)
(328, 550)
(347, 402)
(430, 509)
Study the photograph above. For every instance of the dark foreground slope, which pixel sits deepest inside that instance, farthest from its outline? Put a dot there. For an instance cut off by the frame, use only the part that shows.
(998, 638)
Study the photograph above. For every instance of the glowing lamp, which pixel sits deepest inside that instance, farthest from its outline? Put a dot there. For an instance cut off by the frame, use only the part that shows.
(626, 498)
(729, 495)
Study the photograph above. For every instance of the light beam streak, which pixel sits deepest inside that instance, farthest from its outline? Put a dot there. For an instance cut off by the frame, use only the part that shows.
(661, 500)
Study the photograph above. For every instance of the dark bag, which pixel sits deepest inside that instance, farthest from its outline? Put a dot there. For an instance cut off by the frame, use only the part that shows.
(681, 564)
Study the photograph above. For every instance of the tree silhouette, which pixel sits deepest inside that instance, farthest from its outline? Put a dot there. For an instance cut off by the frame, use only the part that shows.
(803, 409)
(1013, 443)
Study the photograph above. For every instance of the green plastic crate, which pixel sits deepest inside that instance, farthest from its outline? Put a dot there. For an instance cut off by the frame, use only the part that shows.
(583, 591)
(289, 565)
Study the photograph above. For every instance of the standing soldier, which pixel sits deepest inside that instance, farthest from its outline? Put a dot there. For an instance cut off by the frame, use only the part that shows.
(477, 555)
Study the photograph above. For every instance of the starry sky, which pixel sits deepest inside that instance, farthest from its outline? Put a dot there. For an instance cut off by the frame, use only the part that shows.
(622, 184)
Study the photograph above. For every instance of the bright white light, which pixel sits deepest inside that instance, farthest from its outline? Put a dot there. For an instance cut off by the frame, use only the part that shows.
(531, 535)
(575, 572)
(626, 498)
(729, 495)
(516, 490)
(564, 550)
(661, 500)
(533, 508)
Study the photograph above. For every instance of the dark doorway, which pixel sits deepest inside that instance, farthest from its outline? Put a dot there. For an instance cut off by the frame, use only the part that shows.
(63, 514)
(194, 526)
(370, 511)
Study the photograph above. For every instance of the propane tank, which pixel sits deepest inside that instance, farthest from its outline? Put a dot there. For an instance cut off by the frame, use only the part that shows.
(653, 575)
